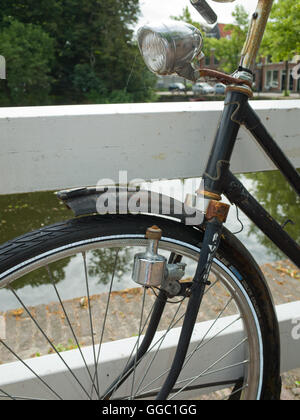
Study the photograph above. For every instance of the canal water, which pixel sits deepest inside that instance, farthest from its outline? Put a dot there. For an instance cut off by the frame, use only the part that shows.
(22, 213)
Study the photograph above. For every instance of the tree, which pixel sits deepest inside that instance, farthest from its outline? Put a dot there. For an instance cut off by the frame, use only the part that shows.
(187, 17)
(281, 40)
(29, 53)
(227, 51)
(92, 38)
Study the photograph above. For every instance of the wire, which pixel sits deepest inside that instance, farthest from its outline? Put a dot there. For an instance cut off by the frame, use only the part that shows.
(238, 218)
(131, 72)
(168, 301)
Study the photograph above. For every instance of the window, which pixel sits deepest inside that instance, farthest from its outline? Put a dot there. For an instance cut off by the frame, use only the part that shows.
(207, 60)
(272, 79)
(216, 61)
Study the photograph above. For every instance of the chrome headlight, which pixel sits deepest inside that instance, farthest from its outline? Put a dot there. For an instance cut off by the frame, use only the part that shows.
(170, 47)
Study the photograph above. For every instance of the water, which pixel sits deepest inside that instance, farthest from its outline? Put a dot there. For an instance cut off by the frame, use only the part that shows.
(26, 212)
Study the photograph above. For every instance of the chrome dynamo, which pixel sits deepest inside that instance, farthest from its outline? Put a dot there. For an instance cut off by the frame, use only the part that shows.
(152, 270)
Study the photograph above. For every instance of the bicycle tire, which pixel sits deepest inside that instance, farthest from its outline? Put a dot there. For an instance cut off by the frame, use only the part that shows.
(23, 254)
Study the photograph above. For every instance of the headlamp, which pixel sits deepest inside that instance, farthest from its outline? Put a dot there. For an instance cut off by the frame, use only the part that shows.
(170, 48)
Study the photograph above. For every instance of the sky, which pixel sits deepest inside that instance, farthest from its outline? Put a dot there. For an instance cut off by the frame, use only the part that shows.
(159, 10)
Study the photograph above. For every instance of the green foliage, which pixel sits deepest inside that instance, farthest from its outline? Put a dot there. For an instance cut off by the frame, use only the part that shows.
(241, 18)
(29, 52)
(60, 348)
(93, 38)
(187, 17)
(280, 200)
(282, 40)
(227, 51)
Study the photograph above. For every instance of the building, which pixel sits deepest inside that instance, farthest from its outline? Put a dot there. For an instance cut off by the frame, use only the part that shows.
(219, 31)
(271, 77)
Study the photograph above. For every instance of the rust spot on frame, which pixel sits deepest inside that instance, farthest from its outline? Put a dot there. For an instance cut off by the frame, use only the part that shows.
(218, 210)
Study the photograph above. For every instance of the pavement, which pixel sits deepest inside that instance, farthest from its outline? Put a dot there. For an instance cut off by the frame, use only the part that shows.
(19, 332)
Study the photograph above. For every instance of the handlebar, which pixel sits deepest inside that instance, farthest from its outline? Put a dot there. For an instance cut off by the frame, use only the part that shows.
(205, 11)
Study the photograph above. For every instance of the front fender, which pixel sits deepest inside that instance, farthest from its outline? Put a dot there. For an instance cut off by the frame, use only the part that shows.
(93, 200)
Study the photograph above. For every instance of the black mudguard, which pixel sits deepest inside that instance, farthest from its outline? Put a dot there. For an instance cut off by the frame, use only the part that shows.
(92, 200)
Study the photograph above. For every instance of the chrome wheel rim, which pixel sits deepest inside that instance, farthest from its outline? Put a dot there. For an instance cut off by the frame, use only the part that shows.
(249, 388)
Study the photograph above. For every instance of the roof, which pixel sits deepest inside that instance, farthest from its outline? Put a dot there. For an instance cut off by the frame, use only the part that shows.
(224, 33)
(218, 31)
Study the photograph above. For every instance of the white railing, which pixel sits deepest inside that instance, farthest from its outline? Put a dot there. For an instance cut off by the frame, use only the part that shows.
(17, 379)
(48, 148)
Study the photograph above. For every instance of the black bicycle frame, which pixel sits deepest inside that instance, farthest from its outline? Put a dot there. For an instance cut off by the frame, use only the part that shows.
(219, 180)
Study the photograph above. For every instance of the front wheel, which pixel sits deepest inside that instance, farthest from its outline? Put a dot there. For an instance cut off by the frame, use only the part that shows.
(95, 334)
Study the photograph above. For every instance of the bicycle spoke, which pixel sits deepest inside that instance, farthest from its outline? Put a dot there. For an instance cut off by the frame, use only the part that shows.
(48, 340)
(237, 391)
(106, 313)
(91, 325)
(18, 398)
(173, 259)
(166, 371)
(211, 372)
(147, 341)
(138, 341)
(30, 369)
(153, 392)
(68, 321)
(7, 395)
(126, 370)
(243, 363)
(211, 366)
(189, 356)
(160, 340)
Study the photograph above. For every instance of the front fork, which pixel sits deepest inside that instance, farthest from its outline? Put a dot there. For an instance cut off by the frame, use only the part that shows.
(214, 226)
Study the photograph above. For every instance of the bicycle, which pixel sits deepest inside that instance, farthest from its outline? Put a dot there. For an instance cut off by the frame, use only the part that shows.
(186, 279)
